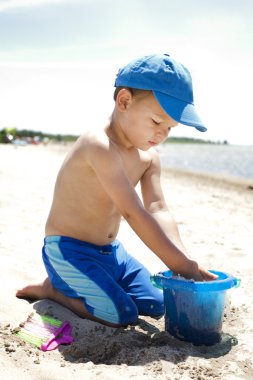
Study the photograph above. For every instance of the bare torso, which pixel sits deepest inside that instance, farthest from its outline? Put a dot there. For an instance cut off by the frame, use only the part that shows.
(81, 207)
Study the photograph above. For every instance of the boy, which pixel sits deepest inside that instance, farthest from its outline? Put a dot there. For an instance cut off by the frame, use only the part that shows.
(88, 269)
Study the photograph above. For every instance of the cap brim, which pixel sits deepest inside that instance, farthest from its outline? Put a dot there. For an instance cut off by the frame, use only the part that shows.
(182, 112)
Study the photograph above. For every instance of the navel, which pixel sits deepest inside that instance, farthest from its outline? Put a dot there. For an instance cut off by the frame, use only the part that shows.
(110, 236)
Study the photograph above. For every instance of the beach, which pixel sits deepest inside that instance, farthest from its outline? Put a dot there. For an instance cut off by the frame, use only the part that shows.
(215, 219)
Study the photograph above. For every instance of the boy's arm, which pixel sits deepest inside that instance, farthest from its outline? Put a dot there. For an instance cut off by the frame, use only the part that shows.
(107, 164)
(155, 203)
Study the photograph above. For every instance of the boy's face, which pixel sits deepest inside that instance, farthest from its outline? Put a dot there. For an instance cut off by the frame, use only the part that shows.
(143, 121)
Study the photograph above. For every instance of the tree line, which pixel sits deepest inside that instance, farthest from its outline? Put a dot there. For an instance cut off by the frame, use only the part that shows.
(8, 135)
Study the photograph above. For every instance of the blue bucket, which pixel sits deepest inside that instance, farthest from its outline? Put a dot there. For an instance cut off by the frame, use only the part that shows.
(194, 310)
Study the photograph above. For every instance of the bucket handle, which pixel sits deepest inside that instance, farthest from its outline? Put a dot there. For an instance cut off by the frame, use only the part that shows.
(237, 282)
(153, 282)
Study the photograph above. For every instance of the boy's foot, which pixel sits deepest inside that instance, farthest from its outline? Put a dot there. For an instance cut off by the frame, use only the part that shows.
(45, 290)
(37, 291)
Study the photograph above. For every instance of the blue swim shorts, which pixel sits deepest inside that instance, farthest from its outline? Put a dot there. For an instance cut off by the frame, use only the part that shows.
(113, 285)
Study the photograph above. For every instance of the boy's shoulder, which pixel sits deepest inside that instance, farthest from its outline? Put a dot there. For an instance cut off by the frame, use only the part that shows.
(90, 139)
(94, 147)
(98, 147)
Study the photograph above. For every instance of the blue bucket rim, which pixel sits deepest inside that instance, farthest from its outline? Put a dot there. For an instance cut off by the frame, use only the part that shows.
(164, 280)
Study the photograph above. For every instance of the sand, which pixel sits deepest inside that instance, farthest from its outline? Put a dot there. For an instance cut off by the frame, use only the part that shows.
(215, 218)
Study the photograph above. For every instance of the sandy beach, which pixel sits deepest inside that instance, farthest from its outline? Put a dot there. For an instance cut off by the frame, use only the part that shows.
(215, 218)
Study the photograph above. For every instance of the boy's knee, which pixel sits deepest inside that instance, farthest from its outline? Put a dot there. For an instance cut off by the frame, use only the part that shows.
(156, 308)
(128, 314)
(152, 308)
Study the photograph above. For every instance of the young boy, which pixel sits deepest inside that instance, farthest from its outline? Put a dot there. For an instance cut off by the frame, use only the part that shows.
(88, 269)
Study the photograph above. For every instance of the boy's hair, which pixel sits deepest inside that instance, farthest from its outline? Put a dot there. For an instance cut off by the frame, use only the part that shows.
(134, 91)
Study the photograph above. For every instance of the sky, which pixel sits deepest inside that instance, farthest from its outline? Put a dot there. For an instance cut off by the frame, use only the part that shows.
(59, 59)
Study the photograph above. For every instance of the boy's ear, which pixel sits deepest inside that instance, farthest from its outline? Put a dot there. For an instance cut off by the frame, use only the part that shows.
(124, 99)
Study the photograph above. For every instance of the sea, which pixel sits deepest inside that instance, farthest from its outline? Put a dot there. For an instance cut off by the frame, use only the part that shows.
(221, 159)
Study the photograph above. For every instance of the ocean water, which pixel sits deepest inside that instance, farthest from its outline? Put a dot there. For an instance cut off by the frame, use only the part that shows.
(230, 160)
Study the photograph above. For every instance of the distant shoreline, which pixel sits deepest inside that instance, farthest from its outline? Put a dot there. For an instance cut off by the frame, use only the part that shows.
(220, 179)
(190, 140)
(217, 160)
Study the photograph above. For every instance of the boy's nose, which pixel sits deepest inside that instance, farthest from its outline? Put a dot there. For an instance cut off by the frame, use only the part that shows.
(162, 133)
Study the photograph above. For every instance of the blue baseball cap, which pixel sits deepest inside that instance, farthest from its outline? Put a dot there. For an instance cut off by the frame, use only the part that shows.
(170, 83)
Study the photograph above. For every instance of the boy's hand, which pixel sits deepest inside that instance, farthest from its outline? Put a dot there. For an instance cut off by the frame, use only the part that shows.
(196, 272)
(204, 275)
